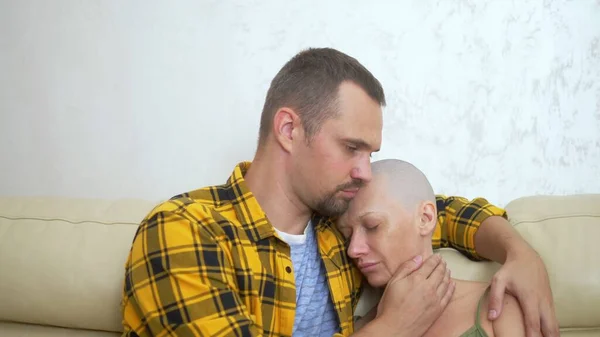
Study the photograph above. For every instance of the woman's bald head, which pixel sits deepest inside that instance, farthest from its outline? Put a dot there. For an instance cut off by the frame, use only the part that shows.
(391, 220)
(403, 182)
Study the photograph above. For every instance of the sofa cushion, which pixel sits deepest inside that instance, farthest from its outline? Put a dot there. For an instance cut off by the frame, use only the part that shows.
(62, 260)
(8, 329)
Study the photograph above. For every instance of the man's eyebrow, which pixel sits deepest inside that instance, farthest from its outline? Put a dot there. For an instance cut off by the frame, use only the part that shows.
(360, 143)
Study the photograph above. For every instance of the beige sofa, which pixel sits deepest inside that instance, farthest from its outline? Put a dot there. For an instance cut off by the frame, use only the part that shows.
(61, 261)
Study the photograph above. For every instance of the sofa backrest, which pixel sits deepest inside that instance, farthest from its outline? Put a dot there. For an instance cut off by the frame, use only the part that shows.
(62, 260)
(565, 231)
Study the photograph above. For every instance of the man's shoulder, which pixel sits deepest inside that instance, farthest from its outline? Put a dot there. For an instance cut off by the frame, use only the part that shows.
(213, 196)
(200, 206)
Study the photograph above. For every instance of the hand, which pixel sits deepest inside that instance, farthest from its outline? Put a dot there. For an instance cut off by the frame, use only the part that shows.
(416, 295)
(524, 276)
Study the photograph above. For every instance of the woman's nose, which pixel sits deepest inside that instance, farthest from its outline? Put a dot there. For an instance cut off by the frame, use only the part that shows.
(357, 246)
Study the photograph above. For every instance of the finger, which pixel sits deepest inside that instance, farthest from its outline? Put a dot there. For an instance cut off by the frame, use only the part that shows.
(407, 268)
(550, 329)
(437, 275)
(496, 297)
(443, 287)
(549, 322)
(429, 266)
(531, 314)
(402, 272)
(448, 296)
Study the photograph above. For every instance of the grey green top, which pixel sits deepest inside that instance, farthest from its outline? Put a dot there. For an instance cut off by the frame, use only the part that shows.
(476, 330)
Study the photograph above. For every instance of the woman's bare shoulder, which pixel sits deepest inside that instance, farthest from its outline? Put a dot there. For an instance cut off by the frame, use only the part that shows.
(511, 321)
(459, 315)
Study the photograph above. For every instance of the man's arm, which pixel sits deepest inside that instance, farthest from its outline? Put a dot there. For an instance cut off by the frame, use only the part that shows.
(179, 281)
(459, 220)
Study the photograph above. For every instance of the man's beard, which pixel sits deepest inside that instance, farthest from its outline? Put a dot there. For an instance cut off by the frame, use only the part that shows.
(333, 206)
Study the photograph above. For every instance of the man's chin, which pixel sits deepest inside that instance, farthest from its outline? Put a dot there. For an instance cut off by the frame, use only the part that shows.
(334, 209)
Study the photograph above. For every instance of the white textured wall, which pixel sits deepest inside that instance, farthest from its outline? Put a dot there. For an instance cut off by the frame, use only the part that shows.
(151, 98)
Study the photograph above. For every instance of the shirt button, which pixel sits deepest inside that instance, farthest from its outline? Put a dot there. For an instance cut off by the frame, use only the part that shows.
(288, 269)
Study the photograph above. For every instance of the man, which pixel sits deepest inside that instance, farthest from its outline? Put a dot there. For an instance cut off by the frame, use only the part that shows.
(393, 219)
(259, 255)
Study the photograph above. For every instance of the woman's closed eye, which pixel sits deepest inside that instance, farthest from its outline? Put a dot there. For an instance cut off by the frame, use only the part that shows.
(371, 228)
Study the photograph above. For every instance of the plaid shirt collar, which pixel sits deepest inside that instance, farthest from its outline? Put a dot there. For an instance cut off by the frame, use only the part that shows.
(249, 212)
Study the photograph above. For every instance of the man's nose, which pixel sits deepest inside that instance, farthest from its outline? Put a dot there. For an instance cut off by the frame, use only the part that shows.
(362, 170)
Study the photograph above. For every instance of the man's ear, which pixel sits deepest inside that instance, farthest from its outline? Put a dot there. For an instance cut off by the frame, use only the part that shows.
(427, 218)
(286, 127)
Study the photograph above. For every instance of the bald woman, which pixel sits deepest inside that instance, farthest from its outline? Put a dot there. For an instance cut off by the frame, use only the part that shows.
(391, 220)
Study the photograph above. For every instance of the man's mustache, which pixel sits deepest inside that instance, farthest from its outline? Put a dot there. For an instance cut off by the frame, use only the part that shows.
(355, 183)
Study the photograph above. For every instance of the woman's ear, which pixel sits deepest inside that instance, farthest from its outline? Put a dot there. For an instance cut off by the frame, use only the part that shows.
(427, 214)
(286, 125)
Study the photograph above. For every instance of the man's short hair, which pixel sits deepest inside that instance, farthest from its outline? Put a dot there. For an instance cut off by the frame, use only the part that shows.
(309, 84)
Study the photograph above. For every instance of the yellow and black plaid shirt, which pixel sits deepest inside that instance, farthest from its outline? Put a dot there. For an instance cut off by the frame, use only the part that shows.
(209, 263)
